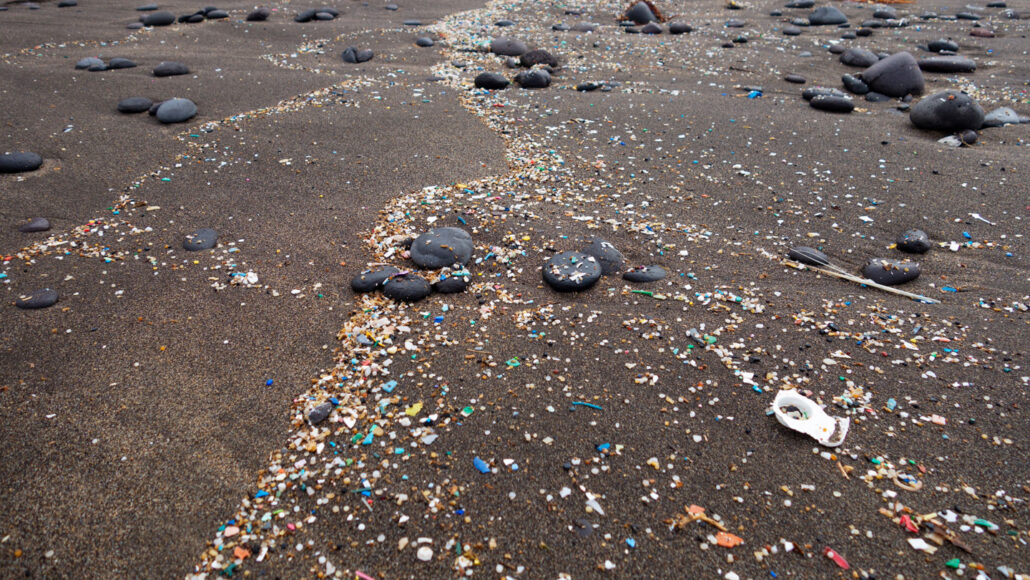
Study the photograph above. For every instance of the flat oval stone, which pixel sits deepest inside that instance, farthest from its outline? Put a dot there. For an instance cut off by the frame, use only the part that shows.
(832, 104)
(88, 62)
(372, 279)
(607, 255)
(354, 55)
(895, 76)
(120, 63)
(913, 242)
(584, 27)
(176, 111)
(67, 3)
(652, 28)
(305, 16)
(890, 272)
(860, 57)
(147, 8)
(134, 105)
(161, 18)
(942, 45)
(406, 288)
(800, 4)
(20, 162)
(854, 84)
(42, 298)
(947, 111)
(491, 81)
(36, 224)
(424, 41)
(796, 79)
(791, 31)
(323, 15)
(571, 271)
(807, 255)
(452, 283)
(643, 274)
(216, 14)
(827, 16)
(875, 97)
(948, 64)
(259, 15)
(538, 57)
(508, 47)
(202, 239)
(504, 23)
(812, 92)
(534, 79)
(170, 69)
(320, 413)
(442, 247)
(680, 28)
(412, 23)
(560, 27)
(1004, 116)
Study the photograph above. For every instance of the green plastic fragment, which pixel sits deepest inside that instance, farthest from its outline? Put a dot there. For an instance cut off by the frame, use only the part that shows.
(953, 563)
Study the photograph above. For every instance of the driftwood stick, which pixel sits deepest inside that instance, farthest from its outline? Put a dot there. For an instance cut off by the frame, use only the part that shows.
(864, 281)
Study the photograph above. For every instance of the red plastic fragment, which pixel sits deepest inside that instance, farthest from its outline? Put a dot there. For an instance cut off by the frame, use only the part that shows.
(833, 555)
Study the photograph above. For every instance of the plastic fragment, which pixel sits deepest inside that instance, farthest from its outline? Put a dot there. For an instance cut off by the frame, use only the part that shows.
(803, 415)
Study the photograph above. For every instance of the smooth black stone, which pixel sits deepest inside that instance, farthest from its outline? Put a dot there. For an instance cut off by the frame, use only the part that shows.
(305, 16)
(800, 4)
(947, 111)
(942, 44)
(534, 79)
(584, 27)
(734, 23)
(120, 63)
(1003, 116)
(571, 271)
(452, 283)
(391, 7)
(170, 69)
(680, 28)
(412, 23)
(491, 81)
(134, 105)
(186, 17)
(860, 57)
(652, 28)
(948, 64)
(176, 111)
(776, 13)
(606, 254)
(832, 104)
(37, 224)
(42, 298)
(827, 16)
(969, 137)
(849, 36)
(854, 84)
(372, 279)
(320, 413)
(355, 56)
(20, 162)
(202, 239)
(442, 247)
(796, 79)
(812, 92)
(863, 32)
(159, 19)
(508, 47)
(873, 23)
(323, 15)
(836, 49)
(538, 57)
(889, 272)
(560, 27)
(327, 10)
(67, 3)
(631, 30)
(875, 97)
(216, 15)
(153, 108)
(195, 18)
(640, 13)
(643, 274)
(885, 14)
(259, 15)
(914, 242)
(147, 8)
(424, 42)
(807, 255)
(791, 31)
(88, 62)
(895, 76)
(504, 23)
(406, 288)
(802, 22)
(997, 5)
(587, 87)
(103, 67)
(967, 16)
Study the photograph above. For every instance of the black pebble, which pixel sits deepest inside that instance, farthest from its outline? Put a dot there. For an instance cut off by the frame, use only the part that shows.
(914, 242)
(355, 55)
(642, 274)
(320, 413)
(442, 247)
(807, 255)
(134, 105)
(534, 79)
(202, 239)
(424, 42)
(490, 81)
(406, 288)
(159, 19)
(170, 69)
(37, 224)
(372, 279)
(890, 272)
(42, 298)
(571, 271)
(796, 79)
(452, 283)
(20, 162)
(539, 56)
(120, 63)
(259, 15)
(832, 104)
(606, 254)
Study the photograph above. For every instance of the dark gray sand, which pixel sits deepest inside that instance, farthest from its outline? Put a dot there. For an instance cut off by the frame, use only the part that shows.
(156, 418)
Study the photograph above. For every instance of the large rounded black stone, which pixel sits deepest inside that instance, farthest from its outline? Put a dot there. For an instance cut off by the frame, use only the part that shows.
(860, 57)
(88, 62)
(202, 239)
(571, 271)
(942, 45)
(120, 63)
(827, 16)
(895, 76)
(534, 79)
(134, 105)
(42, 298)
(643, 274)
(176, 111)
(36, 224)
(538, 56)
(491, 81)
(947, 111)
(832, 104)
(357, 55)
(372, 279)
(170, 68)
(914, 242)
(20, 162)
(948, 64)
(406, 288)
(161, 18)
(442, 247)
(607, 255)
(259, 15)
(890, 272)
(508, 47)
(640, 13)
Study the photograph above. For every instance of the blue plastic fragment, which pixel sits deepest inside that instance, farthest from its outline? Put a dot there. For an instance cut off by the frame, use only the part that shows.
(481, 465)
(948, 289)
(390, 386)
(269, 382)
(604, 447)
(260, 494)
(892, 404)
(631, 542)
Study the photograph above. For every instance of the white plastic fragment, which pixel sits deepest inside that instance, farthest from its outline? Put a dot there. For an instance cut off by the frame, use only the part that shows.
(803, 415)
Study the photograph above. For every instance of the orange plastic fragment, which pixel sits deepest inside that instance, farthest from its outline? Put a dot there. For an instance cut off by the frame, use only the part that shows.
(727, 540)
(695, 510)
(240, 553)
